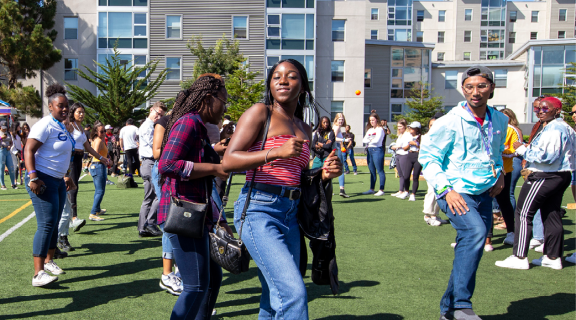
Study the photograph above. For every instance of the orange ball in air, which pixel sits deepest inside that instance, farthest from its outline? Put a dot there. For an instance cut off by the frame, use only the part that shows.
(343, 149)
(358, 92)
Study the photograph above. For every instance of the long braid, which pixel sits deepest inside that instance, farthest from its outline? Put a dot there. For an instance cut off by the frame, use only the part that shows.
(191, 99)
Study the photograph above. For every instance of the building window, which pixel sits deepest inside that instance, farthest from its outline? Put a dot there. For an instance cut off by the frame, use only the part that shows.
(466, 56)
(173, 27)
(125, 30)
(70, 28)
(467, 36)
(338, 29)
(561, 34)
(451, 81)
(402, 34)
(391, 34)
(367, 78)
(440, 56)
(562, 15)
(441, 15)
(374, 34)
(395, 111)
(513, 16)
(240, 27)
(337, 71)
(500, 77)
(335, 108)
(391, 13)
(139, 24)
(420, 15)
(419, 36)
(123, 3)
(534, 16)
(273, 26)
(512, 37)
(492, 39)
(440, 36)
(374, 14)
(174, 66)
(296, 32)
(290, 3)
(70, 67)
(467, 14)
(533, 35)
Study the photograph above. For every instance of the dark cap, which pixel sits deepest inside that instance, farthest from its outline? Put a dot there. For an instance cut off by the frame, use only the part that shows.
(478, 71)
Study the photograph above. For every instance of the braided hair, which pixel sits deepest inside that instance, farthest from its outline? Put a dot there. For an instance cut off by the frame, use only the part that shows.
(191, 99)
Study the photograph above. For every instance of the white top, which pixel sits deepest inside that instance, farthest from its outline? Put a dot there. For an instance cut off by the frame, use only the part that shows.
(403, 141)
(412, 147)
(374, 137)
(17, 145)
(79, 136)
(129, 136)
(145, 136)
(53, 156)
(338, 133)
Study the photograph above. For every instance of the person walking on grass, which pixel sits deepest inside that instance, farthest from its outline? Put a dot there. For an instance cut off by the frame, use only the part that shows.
(398, 147)
(350, 151)
(431, 209)
(462, 160)
(48, 153)
(338, 127)
(375, 154)
(148, 210)
(6, 160)
(16, 150)
(409, 164)
(550, 158)
(322, 142)
(98, 171)
(129, 145)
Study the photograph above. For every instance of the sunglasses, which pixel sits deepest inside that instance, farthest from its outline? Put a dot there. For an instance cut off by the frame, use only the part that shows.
(571, 113)
(543, 109)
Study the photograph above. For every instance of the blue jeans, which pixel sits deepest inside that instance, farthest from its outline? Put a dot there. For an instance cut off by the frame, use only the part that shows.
(517, 165)
(6, 161)
(48, 207)
(167, 250)
(340, 155)
(156, 180)
(471, 230)
(201, 277)
(99, 174)
(354, 167)
(66, 218)
(537, 227)
(272, 236)
(375, 159)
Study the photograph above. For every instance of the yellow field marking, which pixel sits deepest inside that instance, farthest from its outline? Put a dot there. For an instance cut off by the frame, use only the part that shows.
(16, 200)
(16, 211)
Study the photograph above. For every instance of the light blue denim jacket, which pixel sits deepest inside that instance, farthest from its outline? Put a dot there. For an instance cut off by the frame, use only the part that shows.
(454, 154)
(552, 149)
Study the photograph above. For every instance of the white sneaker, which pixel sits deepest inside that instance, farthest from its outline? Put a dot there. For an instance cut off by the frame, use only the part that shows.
(513, 262)
(368, 192)
(396, 194)
(544, 261)
(488, 247)
(453, 244)
(42, 279)
(535, 243)
(509, 238)
(53, 268)
(426, 218)
(433, 222)
(171, 283)
(539, 248)
(214, 312)
(379, 193)
(571, 258)
(403, 196)
(412, 198)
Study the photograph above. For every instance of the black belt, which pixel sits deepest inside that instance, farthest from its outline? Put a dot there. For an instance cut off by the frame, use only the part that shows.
(290, 194)
(145, 158)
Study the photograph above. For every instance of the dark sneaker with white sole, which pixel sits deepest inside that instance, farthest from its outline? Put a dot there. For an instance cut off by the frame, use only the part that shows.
(460, 314)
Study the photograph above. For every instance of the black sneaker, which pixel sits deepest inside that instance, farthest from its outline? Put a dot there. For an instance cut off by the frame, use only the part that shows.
(154, 231)
(343, 194)
(63, 244)
(59, 254)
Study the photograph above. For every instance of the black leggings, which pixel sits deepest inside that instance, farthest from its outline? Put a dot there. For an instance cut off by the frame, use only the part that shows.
(409, 162)
(505, 205)
(133, 161)
(75, 173)
(399, 160)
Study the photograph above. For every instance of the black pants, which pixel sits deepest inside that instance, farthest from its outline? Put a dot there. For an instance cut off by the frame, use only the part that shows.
(505, 204)
(75, 173)
(544, 191)
(132, 160)
(408, 163)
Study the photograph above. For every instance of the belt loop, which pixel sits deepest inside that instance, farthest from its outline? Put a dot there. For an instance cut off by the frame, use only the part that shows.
(283, 192)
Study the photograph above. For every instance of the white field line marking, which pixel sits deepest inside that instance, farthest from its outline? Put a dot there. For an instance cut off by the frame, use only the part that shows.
(21, 223)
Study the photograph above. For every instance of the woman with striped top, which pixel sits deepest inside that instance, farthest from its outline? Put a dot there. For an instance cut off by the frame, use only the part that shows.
(270, 229)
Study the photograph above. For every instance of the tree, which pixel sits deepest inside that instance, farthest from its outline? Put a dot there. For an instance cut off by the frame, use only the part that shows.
(423, 106)
(243, 91)
(223, 59)
(26, 46)
(120, 90)
(568, 95)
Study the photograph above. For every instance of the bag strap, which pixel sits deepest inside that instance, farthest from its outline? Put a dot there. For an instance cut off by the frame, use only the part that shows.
(225, 199)
(251, 185)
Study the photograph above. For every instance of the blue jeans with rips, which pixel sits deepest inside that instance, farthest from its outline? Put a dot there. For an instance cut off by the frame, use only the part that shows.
(99, 174)
(375, 159)
(6, 161)
(471, 229)
(272, 236)
(350, 152)
(48, 207)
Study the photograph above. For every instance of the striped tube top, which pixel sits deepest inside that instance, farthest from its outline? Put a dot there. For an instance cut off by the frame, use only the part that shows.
(282, 172)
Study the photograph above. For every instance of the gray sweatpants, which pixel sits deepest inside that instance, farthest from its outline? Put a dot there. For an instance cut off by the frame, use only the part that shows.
(149, 208)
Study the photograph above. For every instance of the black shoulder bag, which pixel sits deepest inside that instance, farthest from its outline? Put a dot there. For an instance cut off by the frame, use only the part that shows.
(230, 253)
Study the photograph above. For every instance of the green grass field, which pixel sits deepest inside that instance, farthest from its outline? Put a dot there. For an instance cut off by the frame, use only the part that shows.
(392, 266)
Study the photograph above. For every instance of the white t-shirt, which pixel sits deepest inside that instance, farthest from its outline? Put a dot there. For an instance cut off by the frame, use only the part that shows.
(129, 136)
(53, 157)
(338, 132)
(401, 142)
(79, 137)
(146, 137)
(17, 145)
(374, 137)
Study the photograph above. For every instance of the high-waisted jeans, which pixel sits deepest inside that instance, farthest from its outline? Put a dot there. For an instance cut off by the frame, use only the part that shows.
(272, 236)
(375, 159)
(6, 161)
(99, 174)
(48, 207)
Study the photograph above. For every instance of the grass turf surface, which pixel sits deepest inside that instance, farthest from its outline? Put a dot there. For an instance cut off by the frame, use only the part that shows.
(392, 266)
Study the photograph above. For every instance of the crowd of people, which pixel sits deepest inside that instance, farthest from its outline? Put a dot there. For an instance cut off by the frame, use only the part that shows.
(471, 157)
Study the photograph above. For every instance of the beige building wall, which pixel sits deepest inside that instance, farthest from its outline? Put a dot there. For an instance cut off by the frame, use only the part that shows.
(553, 22)
(431, 26)
(524, 26)
(382, 23)
(351, 51)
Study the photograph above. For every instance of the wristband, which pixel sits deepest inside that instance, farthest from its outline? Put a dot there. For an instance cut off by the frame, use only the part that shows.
(31, 172)
(266, 156)
(101, 157)
(34, 179)
(443, 192)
